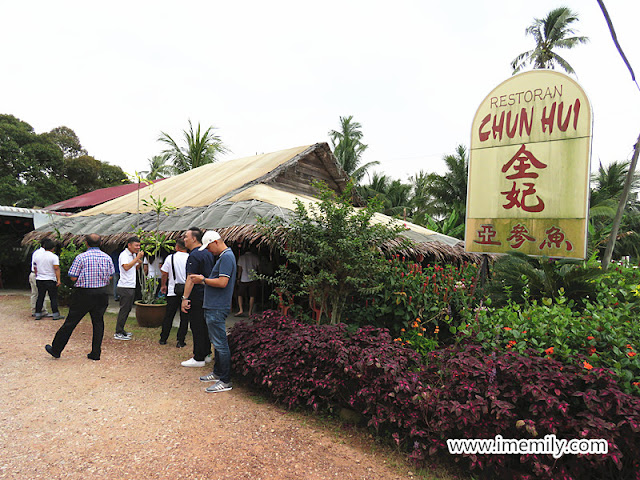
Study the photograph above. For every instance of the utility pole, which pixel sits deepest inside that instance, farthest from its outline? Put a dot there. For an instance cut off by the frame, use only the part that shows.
(606, 259)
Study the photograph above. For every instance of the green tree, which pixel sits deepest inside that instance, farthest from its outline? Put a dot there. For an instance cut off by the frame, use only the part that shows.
(67, 141)
(112, 175)
(607, 184)
(200, 148)
(31, 166)
(438, 195)
(393, 195)
(550, 33)
(87, 174)
(348, 148)
(452, 225)
(331, 251)
(158, 168)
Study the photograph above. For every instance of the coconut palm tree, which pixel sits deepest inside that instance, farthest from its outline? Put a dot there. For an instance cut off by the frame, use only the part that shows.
(550, 33)
(158, 168)
(348, 148)
(439, 201)
(441, 194)
(605, 195)
(199, 148)
(394, 196)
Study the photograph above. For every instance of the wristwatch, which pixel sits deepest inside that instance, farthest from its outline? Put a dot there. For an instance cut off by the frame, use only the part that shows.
(185, 298)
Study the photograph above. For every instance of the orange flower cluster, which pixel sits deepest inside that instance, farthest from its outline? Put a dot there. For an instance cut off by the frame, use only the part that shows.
(511, 344)
(549, 351)
(587, 365)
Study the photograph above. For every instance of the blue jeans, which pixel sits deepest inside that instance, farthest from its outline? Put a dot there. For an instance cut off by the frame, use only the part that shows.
(216, 324)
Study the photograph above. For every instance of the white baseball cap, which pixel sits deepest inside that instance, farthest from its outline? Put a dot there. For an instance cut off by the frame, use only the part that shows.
(209, 237)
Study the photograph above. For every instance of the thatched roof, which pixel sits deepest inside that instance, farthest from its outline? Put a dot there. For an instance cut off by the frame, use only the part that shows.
(230, 197)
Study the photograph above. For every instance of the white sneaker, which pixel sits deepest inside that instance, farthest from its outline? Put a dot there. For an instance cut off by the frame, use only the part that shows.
(192, 362)
(208, 359)
(120, 336)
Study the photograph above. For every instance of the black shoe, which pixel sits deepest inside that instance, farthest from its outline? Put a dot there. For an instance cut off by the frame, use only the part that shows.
(162, 342)
(92, 357)
(180, 344)
(49, 349)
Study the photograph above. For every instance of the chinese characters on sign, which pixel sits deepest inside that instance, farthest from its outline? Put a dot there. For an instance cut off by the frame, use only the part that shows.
(554, 237)
(529, 168)
(525, 160)
(487, 235)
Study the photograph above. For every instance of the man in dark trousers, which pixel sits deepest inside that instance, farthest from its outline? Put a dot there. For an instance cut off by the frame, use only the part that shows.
(130, 261)
(173, 280)
(47, 268)
(200, 262)
(91, 271)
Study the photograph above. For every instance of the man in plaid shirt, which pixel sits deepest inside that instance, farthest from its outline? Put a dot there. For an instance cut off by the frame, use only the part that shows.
(91, 271)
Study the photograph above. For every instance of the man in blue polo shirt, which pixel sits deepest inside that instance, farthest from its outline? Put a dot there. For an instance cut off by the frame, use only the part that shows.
(218, 290)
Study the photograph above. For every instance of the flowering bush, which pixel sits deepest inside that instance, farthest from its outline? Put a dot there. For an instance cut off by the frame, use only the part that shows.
(419, 338)
(458, 392)
(439, 296)
(606, 335)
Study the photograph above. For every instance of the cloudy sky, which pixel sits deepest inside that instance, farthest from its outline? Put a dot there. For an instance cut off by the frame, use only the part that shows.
(278, 74)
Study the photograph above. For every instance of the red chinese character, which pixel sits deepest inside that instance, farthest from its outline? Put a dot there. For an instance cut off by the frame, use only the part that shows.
(486, 236)
(512, 197)
(555, 237)
(523, 157)
(519, 235)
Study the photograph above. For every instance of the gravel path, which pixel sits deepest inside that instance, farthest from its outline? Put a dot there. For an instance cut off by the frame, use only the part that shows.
(137, 414)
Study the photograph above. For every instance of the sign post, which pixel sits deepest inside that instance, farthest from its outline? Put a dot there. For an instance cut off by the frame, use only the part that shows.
(529, 168)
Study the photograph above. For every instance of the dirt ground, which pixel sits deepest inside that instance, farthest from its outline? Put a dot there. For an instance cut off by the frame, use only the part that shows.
(138, 414)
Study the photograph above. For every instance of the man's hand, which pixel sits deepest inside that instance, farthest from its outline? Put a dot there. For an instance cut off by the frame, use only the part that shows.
(186, 305)
(164, 289)
(197, 279)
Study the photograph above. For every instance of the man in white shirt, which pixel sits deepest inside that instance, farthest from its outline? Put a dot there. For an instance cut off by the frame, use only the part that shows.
(173, 279)
(47, 268)
(34, 285)
(130, 261)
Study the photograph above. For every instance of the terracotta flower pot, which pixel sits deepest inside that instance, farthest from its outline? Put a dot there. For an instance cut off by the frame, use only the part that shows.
(150, 315)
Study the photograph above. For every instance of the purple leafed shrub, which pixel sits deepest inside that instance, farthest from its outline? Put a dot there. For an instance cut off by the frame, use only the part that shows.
(460, 393)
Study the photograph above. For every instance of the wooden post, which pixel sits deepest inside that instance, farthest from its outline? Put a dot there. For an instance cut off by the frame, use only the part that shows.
(608, 253)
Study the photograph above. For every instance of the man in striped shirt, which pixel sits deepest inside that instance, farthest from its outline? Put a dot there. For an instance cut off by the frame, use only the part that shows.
(91, 271)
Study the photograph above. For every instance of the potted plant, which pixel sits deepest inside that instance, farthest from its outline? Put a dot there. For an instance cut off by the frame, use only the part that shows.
(150, 310)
